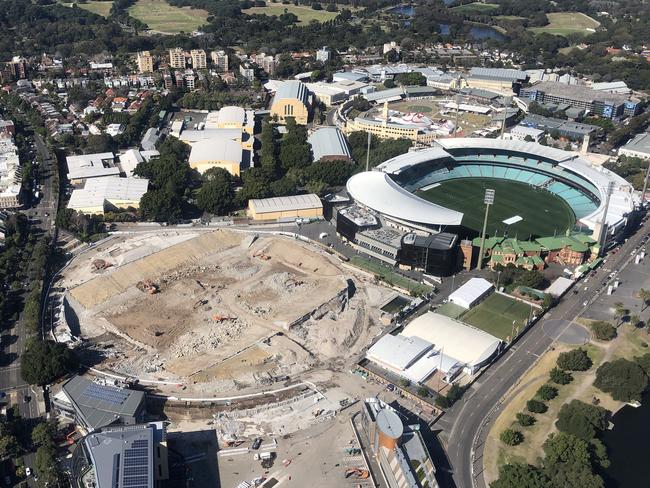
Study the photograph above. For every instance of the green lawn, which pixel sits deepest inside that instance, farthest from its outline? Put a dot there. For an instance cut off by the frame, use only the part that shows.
(476, 8)
(543, 213)
(304, 13)
(99, 8)
(564, 23)
(389, 276)
(495, 314)
(164, 18)
(450, 309)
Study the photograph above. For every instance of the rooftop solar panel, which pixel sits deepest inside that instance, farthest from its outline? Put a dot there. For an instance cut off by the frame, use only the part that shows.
(140, 443)
(105, 393)
(131, 453)
(136, 461)
(134, 481)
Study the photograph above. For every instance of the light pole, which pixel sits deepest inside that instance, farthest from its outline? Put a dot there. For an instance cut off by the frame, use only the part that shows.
(488, 200)
(368, 152)
(498, 276)
(645, 185)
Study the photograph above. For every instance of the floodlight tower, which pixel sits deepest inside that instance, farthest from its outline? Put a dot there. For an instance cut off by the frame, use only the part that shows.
(488, 200)
(645, 185)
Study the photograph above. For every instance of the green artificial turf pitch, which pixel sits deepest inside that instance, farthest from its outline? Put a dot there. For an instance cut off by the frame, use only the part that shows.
(544, 214)
(495, 314)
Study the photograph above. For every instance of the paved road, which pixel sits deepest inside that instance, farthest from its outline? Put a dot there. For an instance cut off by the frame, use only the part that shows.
(467, 423)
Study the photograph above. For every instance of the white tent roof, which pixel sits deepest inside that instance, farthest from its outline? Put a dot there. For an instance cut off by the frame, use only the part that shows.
(470, 291)
(397, 352)
(462, 342)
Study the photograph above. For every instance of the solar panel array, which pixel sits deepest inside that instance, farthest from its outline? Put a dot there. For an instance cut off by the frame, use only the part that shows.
(136, 465)
(105, 393)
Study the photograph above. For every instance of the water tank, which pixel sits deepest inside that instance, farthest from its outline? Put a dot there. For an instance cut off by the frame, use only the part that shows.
(389, 428)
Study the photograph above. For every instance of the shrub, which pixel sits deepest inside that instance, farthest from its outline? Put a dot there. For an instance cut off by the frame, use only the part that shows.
(536, 406)
(423, 392)
(576, 360)
(511, 437)
(604, 331)
(525, 420)
(560, 377)
(547, 392)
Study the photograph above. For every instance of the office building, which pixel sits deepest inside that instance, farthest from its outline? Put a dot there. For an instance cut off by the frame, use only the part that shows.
(87, 166)
(199, 59)
(597, 102)
(176, 58)
(145, 62)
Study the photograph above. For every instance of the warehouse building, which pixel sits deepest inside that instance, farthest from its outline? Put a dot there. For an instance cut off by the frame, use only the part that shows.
(291, 99)
(637, 147)
(131, 457)
(94, 406)
(500, 80)
(563, 128)
(602, 103)
(100, 195)
(471, 293)
(329, 144)
(284, 208)
(221, 150)
(88, 166)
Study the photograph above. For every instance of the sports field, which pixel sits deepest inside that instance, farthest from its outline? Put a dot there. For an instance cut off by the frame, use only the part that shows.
(564, 23)
(495, 314)
(475, 8)
(164, 18)
(99, 8)
(543, 213)
(305, 14)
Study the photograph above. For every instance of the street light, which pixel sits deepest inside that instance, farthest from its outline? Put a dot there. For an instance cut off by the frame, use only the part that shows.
(488, 199)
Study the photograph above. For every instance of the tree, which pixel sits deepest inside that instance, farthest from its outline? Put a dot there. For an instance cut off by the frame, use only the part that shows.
(604, 331)
(560, 376)
(42, 362)
(644, 363)
(535, 406)
(46, 467)
(519, 475)
(568, 461)
(511, 437)
(644, 296)
(525, 420)
(635, 321)
(295, 151)
(216, 195)
(44, 433)
(620, 311)
(8, 446)
(547, 392)
(161, 206)
(414, 78)
(575, 360)
(389, 83)
(624, 380)
(423, 392)
(582, 420)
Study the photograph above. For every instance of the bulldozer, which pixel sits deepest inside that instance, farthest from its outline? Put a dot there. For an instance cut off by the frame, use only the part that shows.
(358, 473)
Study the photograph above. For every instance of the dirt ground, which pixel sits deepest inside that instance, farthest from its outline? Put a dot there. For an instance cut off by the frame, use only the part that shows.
(221, 317)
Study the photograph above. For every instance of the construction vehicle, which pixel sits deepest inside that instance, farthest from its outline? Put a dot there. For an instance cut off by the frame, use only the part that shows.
(147, 286)
(100, 264)
(222, 318)
(317, 413)
(199, 303)
(358, 473)
(352, 451)
(260, 254)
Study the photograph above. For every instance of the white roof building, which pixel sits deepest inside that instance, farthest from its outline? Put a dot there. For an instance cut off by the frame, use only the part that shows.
(471, 292)
(101, 193)
(132, 157)
(397, 352)
(91, 166)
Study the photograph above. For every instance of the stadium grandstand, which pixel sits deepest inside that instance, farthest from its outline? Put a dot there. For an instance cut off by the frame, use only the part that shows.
(582, 187)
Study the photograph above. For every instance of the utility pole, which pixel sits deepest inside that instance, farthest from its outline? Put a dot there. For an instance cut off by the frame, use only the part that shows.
(368, 153)
(488, 200)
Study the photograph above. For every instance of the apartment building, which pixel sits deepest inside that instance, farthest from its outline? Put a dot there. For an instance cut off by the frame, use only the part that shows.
(145, 62)
(176, 58)
(199, 59)
(220, 60)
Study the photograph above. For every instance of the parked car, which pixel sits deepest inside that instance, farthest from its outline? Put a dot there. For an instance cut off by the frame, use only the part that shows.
(257, 443)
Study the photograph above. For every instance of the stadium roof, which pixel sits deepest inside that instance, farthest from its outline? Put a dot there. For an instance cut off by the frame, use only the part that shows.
(397, 351)
(292, 89)
(498, 74)
(283, 204)
(379, 192)
(508, 145)
(462, 342)
(398, 164)
(328, 141)
(100, 405)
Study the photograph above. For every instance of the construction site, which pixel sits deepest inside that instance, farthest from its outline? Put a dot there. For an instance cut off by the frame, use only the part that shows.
(214, 312)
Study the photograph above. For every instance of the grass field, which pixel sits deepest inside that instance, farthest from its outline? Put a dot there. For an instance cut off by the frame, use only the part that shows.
(305, 14)
(162, 17)
(99, 8)
(564, 23)
(543, 213)
(385, 274)
(475, 8)
(495, 314)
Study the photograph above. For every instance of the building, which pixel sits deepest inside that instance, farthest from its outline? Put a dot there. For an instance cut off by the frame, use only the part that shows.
(502, 251)
(223, 149)
(568, 250)
(561, 128)
(602, 103)
(281, 208)
(87, 166)
(150, 139)
(10, 172)
(131, 158)
(17, 68)
(247, 71)
(324, 54)
(199, 59)
(189, 79)
(400, 450)
(471, 293)
(435, 254)
(266, 62)
(619, 87)
(145, 62)
(291, 99)
(637, 147)
(96, 405)
(220, 60)
(500, 80)
(391, 46)
(134, 456)
(100, 195)
(231, 117)
(329, 144)
(176, 58)
(525, 133)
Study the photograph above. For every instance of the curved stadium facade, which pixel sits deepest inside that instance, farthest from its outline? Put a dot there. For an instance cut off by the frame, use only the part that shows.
(389, 190)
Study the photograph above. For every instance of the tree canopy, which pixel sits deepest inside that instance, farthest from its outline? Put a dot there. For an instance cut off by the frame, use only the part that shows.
(42, 362)
(624, 380)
